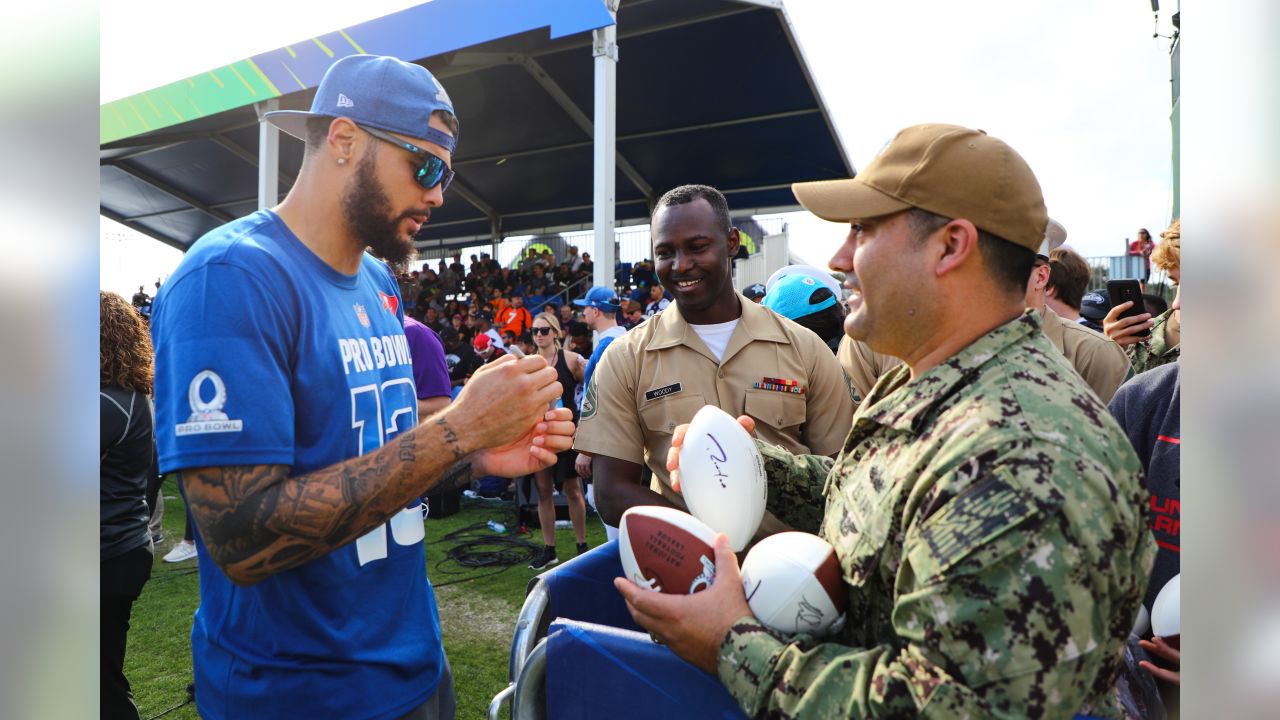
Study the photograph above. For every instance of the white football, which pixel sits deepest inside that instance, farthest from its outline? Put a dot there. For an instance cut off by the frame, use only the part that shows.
(722, 476)
(794, 584)
(666, 550)
(1166, 611)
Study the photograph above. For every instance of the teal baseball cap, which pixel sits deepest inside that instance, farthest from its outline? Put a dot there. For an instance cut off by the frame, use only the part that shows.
(795, 296)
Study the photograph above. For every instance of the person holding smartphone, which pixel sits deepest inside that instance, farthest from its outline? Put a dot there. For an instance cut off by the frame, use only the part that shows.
(1149, 342)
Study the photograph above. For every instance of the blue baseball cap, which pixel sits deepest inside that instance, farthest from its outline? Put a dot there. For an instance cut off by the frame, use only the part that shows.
(601, 298)
(792, 296)
(379, 91)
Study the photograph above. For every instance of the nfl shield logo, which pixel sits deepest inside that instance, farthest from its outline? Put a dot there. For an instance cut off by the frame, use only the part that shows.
(361, 315)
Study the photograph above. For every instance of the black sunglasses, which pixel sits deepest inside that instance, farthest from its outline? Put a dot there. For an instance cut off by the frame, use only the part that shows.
(541, 331)
(433, 172)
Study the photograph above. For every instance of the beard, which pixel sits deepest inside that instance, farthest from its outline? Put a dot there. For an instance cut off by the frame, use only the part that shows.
(367, 211)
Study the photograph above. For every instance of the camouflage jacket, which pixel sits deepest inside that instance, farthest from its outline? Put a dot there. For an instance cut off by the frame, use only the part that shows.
(1151, 354)
(989, 519)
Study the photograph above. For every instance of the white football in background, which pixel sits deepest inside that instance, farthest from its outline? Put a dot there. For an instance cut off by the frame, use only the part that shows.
(666, 550)
(794, 584)
(1166, 611)
(722, 476)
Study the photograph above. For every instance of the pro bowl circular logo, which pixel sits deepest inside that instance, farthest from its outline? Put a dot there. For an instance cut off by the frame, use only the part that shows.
(207, 415)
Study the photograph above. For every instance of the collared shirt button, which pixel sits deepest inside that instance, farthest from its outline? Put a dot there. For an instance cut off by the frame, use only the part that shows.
(720, 374)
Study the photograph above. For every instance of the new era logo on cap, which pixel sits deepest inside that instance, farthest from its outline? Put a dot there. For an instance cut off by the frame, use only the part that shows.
(344, 101)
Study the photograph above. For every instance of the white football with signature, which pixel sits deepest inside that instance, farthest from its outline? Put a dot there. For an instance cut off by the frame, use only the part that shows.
(794, 584)
(722, 476)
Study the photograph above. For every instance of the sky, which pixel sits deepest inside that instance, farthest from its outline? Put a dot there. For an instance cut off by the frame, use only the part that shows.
(1080, 88)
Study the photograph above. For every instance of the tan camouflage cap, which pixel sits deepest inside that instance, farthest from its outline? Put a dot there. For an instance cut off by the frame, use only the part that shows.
(945, 169)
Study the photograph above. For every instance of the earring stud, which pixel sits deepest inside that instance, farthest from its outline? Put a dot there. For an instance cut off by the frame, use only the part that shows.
(342, 161)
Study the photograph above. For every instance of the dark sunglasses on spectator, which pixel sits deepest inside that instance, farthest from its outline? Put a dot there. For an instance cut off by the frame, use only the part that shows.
(433, 172)
(542, 331)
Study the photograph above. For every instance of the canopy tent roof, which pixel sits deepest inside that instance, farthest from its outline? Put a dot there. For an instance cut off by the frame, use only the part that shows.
(708, 91)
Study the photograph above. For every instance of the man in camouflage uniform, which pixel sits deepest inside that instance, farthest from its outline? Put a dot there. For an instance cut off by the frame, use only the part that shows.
(1152, 343)
(987, 512)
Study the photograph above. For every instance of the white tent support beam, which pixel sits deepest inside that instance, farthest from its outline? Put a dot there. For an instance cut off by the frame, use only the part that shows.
(604, 51)
(268, 156)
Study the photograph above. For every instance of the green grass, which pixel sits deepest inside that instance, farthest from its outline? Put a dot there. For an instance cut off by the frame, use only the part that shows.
(478, 608)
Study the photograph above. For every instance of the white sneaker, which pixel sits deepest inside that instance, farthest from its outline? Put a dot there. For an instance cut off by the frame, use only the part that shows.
(181, 552)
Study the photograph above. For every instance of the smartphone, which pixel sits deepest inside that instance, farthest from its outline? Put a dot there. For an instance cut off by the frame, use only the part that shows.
(1122, 291)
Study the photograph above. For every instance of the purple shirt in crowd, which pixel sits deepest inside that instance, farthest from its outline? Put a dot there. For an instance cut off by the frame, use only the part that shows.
(430, 375)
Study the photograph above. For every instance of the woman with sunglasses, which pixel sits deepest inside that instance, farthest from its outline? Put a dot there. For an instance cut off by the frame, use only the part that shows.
(569, 366)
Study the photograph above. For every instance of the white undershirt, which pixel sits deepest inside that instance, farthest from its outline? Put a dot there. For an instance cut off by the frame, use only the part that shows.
(716, 336)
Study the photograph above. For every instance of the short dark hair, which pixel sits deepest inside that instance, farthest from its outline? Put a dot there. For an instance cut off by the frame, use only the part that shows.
(318, 128)
(688, 193)
(1068, 276)
(1010, 264)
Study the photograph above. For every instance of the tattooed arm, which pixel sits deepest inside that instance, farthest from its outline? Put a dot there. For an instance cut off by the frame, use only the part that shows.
(257, 520)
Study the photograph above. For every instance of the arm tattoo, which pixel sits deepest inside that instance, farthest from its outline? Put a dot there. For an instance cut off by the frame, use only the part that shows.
(451, 438)
(257, 520)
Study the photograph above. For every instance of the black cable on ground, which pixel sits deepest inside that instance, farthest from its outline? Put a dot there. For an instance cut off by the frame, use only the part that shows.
(191, 697)
(478, 546)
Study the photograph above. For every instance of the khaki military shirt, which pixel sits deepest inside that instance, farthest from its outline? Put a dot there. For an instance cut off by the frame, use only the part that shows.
(1101, 362)
(660, 373)
(1163, 347)
(989, 517)
(863, 366)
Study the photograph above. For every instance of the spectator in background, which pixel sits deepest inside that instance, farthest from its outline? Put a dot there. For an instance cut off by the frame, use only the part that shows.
(432, 319)
(810, 304)
(1152, 343)
(657, 301)
(515, 319)
(1094, 306)
(633, 314)
(569, 369)
(565, 315)
(1148, 408)
(1068, 279)
(587, 267)
(486, 349)
(755, 292)
(430, 373)
(141, 298)
(599, 312)
(126, 447)
(575, 260)
(459, 357)
(1143, 246)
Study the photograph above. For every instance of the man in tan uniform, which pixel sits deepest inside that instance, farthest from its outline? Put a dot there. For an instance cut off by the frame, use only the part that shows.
(1100, 362)
(710, 347)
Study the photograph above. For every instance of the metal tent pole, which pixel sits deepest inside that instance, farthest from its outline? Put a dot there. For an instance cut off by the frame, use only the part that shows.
(268, 156)
(604, 48)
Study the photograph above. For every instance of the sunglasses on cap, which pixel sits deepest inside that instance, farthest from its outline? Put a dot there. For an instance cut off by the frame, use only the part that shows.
(541, 331)
(433, 172)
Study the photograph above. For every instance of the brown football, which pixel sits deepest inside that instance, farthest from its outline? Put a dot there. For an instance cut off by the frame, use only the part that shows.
(666, 550)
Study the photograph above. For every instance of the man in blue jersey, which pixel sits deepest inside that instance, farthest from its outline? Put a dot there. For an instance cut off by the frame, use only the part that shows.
(285, 398)
(600, 313)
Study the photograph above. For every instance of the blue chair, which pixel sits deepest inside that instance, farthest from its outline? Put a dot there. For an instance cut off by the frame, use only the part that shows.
(574, 626)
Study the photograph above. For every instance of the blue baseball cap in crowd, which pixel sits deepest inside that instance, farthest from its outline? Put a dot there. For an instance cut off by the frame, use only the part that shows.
(792, 296)
(601, 298)
(378, 91)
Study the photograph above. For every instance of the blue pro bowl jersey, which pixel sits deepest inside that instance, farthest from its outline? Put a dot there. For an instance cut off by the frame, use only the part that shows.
(265, 355)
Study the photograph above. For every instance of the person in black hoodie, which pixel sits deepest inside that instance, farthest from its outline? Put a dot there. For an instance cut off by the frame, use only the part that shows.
(127, 444)
(1148, 409)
